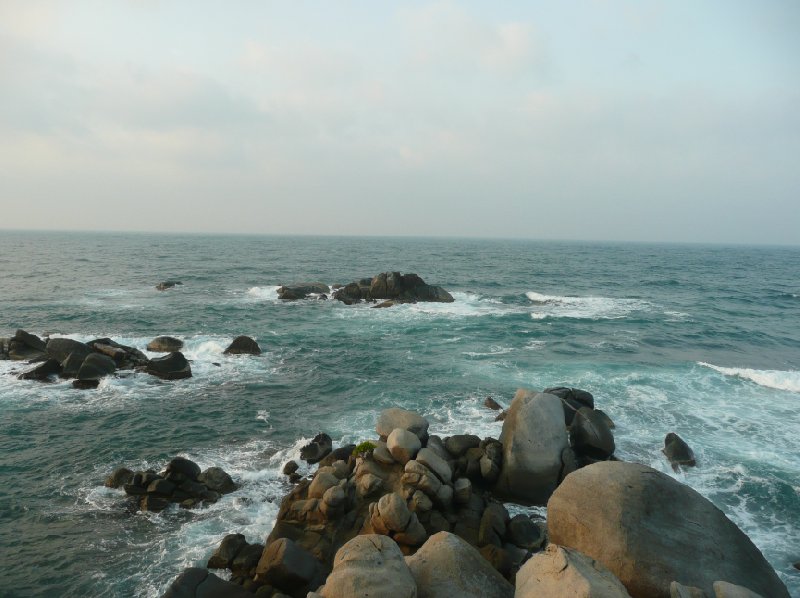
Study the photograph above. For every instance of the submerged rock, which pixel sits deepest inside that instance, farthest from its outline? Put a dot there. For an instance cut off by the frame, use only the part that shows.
(168, 284)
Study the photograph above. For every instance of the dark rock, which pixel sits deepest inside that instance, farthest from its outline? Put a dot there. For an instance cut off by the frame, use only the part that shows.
(287, 566)
(193, 489)
(492, 529)
(120, 477)
(317, 449)
(132, 489)
(301, 290)
(498, 558)
(199, 583)
(590, 436)
(492, 404)
(343, 453)
(71, 365)
(217, 480)
(167, 284)
(247, 559)
(349, 294)
(650, 530)
(117, 354)
(523, 532)
(60, 348)
(30, 340)
(96, 366)
(151, 502)
(609, 422)
(796, 565)
(165, 344)
(223, 556)
(170, 367)
(243, 345)
(19, 351)
(183, 466)
(678, 452)
(573, 399)
(43, 371)
(161, 487)
(290, 467)
(294, 478)
(501, 416)
(85, 384)
(392, 286)
(457, 445)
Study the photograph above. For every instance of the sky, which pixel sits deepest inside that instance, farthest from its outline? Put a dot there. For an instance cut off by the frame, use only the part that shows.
(662, 120)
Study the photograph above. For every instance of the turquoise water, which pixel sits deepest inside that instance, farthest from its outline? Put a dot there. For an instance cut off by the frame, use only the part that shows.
(703, 341)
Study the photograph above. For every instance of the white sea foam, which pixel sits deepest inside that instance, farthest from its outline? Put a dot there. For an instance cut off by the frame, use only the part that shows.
(590, 308)
(267, 293)
(777, 379)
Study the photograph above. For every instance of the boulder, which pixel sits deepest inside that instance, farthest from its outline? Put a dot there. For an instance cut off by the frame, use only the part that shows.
(533, 439)
(216, 479)
(287, 566)
(403, 445)
(490, 403)
(559, 572)
(573, 399)
(25, 346)
(459, 444)
(677, 590)
(436, 464)
(199, 583)
(446, 566)
(678, 452)
(316, 450)
(183, 466)
(389, 419)
(590, 436)
(290, 467)
(120, 477)
(223, 556)
(301, 290)
(42, 372)
(61, 348)
(521, 531)
(167, 284)
(723, 589)
(651, 530)
(165, 344)
(350, 294)
(369, 566)
(170, 367)
(96, 366)
(243, 345)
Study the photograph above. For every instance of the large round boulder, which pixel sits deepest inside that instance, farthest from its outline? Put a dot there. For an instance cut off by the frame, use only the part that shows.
(243, 345)
(678, 452)
(61, 348)
(559, 572)
(389, 419)
(447, 565)
(533, 439)
(96, 366)
(590, 435)
(165, 344)
(301, 290)
(369, 566)
(651, 530)
(173, 366)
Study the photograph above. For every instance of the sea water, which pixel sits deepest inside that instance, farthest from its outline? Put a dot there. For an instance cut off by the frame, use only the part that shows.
(700, 340)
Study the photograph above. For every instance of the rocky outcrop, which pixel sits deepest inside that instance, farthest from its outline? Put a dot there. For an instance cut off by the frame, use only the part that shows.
(678, 452)
(393, 286)
(181, 482)
(559, 572)
(287, 566)
(302, 290)
(243, 345)
(446, 566)
(170, 367)
(316, 450)
(369, 566)
(533, 439)
(168, 284)
(165, 344)
(573, 399)
(45, 371)
(24, 346)
(196, 582)
(651, 530)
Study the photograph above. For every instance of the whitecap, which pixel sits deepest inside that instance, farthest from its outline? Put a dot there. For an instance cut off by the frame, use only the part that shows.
(267, 293)
(778, 379)
(590, 308)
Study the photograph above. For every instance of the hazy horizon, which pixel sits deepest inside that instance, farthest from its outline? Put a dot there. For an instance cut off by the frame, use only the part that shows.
(603, 120)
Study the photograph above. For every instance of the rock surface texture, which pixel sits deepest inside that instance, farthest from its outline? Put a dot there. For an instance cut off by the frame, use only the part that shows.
(651, 530)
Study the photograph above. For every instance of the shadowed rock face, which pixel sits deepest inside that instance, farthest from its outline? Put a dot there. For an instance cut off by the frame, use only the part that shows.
(650, 530)
(392, 286)
(301, 290)
(243, 345)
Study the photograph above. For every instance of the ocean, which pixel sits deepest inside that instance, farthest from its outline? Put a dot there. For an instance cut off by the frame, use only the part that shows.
(700, 340)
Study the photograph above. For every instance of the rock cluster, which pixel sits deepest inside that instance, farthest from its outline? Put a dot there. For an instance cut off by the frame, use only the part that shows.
(182, 482)
(87, 363)
(614, 530)
(302, 290)
(392, 286)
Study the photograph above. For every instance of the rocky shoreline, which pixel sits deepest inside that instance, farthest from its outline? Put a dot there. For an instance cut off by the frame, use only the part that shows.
(411, 514)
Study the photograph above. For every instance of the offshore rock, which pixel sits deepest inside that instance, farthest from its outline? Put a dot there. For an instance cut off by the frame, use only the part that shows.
(168, 284)
(42, 372)
(650, 530)
(678, 452)
(96, 366)
(301, 290)
(392, 286)
(165, 344)
(243, 345)
(170, 367)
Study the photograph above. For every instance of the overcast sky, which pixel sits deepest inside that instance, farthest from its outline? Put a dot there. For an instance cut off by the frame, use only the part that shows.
(608, 119)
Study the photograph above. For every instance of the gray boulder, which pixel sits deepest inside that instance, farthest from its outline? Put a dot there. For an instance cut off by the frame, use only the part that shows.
(301, 290)
(96, 366)
(389, 419)
(243, 345)
(651, 530)
(170, 367)
(61, 348)
(199, 583)
(42, 372)
(369, 566)
(559, 572)
(402, 445)
(447, 566)
(287, 566)
(533, 439)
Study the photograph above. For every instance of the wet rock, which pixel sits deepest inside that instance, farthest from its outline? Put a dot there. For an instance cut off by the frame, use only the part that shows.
(96, 366)
(167, 284)
(223, 556)
(590, 435)
(170, 367)
(492, 404)
(290, 467)
(302, 290)
(319, 447)
(185, 467)
(165, 344)
(24, 346)
(678, 452)
(61, 348)
(573, 400)
(524, 533)
(287, 566)
(43, 372)
(243, 345)
(151, 502)
(650, 530)
(85, 384)
(120, 477)
(217, 480)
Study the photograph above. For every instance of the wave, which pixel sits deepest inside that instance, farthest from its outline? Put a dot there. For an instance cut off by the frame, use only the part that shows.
(584, 308)
(788, 380)
(268, 293)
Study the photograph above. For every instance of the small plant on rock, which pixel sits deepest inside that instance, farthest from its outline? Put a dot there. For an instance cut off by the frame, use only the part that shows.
(364, 449)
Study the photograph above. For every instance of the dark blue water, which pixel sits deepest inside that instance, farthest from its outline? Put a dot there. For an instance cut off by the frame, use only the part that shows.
(704, 341)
